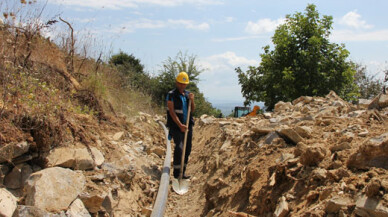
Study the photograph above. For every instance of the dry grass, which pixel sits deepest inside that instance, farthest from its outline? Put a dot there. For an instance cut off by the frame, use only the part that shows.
(38, 96)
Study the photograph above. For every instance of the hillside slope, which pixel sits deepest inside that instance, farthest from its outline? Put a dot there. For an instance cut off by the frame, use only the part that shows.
(72, 141)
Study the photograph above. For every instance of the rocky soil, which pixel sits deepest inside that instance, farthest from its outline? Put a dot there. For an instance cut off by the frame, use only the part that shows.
(315, 156)
(116, 174)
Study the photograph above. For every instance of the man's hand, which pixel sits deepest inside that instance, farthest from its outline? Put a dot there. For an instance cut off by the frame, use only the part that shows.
(183, 128)
(191, 97)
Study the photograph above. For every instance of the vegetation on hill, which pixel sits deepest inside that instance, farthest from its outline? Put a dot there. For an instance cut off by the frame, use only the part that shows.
(121, 83)
(158, 86)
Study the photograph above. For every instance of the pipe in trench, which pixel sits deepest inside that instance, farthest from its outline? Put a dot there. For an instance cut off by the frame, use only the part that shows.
(161, 199)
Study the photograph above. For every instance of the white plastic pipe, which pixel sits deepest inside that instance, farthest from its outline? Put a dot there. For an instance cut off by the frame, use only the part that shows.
(161, 198)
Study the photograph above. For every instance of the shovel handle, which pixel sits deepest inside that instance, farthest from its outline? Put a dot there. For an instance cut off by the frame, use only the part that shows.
(184, 142)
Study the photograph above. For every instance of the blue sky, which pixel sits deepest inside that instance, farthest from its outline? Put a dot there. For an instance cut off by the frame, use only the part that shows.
(222, 34)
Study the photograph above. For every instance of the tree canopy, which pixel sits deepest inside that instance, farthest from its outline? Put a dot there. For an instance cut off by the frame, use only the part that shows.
(132, 71)
(128, 61)
(166, 82)
(303, 63)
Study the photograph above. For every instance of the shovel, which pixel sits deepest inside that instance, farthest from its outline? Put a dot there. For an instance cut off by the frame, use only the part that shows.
(181, 186)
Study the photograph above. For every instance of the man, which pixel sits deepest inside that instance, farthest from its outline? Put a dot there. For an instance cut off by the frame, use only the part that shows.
(177, 108)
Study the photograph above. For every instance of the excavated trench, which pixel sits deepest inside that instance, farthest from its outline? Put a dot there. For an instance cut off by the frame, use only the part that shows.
(221, 166)
(314, 157)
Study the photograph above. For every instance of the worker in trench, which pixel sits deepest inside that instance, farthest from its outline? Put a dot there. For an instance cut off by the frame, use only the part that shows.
(177, 109)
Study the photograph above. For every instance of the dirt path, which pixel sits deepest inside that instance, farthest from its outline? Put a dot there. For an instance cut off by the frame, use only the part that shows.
(192, 203)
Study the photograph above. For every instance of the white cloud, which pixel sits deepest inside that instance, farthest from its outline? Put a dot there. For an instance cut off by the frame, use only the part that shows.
(229, 19)
(235, 38)
(109, 4)
(227, 60)
(188, 24)
(349, 35)
(85, 20)
(353, 19)
(120, 4)
(234, 60)
(219, 80)
(133, 25)
(263, 26)
(359, 31)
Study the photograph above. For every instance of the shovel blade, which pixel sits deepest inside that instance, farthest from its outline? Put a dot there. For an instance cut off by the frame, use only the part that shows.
(180, 187)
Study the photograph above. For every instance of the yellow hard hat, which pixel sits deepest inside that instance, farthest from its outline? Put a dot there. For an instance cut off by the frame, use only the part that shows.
(182, 78)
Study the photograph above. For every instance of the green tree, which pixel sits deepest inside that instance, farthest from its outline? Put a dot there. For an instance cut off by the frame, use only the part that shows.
(171, 68)
(166, 82)
(129, 61)
(132, 71)
(302, 63)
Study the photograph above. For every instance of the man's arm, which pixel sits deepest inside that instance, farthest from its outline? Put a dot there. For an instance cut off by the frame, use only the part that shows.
(170, 105)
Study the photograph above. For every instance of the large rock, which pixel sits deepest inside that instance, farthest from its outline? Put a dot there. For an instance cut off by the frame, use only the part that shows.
(282, 106)
(291, 135)
(363, 103)
(75, 158)
(4, 170)
(205, 119)
(270, 137)
(282, 208)
(53, 189)
(32, 211)
(117, 136)
(367, 206)
(373, 153)
(8, 203)
(261, 131)
(16, 178)
(336, 204)
(97, 201)
(98, 156)
(383, 101)
(10, 151)
(160, 152)
(303, 100)
(312, 156)
(379, 102)
(77, 208)
(123, 169)
(304, 131)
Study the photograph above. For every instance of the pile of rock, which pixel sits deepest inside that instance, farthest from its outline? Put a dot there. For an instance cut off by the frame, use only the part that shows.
(84, 180)
(315, 156)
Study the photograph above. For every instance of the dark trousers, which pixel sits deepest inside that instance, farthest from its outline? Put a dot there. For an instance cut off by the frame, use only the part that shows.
(179, 137)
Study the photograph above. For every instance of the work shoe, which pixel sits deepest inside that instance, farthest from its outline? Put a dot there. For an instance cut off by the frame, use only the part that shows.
(186, 177)
(183, 177)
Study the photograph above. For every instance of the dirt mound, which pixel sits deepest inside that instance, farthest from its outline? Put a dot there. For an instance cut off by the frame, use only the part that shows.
(316, 156)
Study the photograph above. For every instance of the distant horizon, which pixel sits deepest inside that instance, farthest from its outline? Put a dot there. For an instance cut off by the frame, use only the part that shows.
(227, 107)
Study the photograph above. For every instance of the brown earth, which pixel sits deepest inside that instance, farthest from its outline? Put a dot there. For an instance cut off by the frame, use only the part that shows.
(334, 157)
(237, 173)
